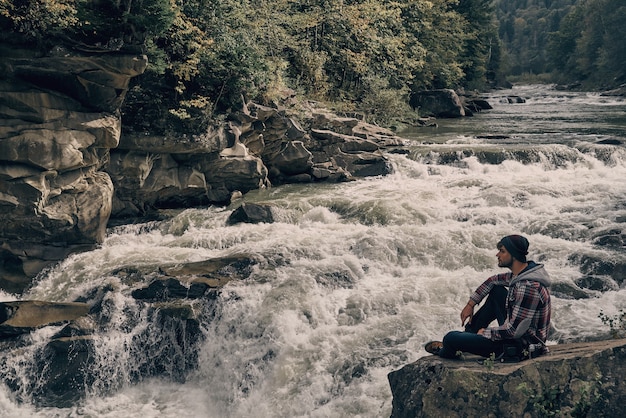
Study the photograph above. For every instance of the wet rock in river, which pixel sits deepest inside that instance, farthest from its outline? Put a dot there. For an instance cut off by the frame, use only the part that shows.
(572, 378)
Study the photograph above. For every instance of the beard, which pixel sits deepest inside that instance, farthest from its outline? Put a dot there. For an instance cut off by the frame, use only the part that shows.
(506, 263)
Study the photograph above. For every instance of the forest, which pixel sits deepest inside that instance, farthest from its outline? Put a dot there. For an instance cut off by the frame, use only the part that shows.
(565, 41)
(208, 56)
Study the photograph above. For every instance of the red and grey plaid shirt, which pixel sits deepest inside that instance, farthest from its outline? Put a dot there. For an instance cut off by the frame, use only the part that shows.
(528, 297)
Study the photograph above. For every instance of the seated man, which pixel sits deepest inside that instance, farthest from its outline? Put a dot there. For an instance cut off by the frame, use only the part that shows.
(523, 312)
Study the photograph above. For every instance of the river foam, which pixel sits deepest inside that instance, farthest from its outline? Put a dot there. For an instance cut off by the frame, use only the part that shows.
(354, 278)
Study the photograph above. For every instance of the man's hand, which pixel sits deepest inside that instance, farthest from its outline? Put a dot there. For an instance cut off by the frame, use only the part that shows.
(467, 312)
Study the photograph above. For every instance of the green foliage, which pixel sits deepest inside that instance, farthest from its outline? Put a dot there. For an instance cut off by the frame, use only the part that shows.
(34, 20)
(439, 51)
(207, 56)
(490, 361)
(202, 65)
(383, 104)
(546, 403)
(590, 394)
(562, 43)
(42, 22)
(481, 38)
(525, 28)
(129, 20)
(576, 40)
(600, 54)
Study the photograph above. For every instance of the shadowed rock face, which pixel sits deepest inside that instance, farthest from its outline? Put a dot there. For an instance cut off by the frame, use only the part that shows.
(580, 379)
(444, 103)
(59, 116)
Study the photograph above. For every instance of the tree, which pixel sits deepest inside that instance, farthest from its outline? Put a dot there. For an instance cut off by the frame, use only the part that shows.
(207, 56)
(589, 47)
(612, 54)
(436, 37)
(481, 39)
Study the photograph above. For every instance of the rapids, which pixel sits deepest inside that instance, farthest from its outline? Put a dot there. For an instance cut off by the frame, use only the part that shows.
(356, 277)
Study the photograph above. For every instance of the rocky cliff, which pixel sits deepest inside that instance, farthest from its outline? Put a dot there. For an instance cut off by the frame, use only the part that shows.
(59, 116)
(66, 168)
(577, 380)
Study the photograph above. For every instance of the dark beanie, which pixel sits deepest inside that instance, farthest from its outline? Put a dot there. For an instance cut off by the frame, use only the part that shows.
(516, 245)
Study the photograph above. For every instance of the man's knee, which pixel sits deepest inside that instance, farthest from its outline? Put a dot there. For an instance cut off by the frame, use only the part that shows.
(499, 293)
(452, 339)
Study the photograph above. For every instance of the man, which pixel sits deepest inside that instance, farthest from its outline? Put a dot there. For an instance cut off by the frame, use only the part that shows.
(522, 312)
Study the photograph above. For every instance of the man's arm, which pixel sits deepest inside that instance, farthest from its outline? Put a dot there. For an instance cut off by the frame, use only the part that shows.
(481, 292)
(467, 312)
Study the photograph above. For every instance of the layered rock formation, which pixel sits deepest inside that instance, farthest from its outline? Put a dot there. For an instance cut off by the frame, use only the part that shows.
(580, 379)
(59, 116)
(260, 146)
(65, 167)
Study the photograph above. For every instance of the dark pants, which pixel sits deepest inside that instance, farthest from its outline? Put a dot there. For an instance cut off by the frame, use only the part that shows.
(456, 342)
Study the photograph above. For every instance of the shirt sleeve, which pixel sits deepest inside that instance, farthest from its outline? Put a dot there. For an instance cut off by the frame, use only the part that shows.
(522, 305)
(483, 290)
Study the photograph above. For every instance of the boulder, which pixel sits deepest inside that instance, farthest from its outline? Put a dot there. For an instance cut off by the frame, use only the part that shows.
(260, 146)
(441, 103)
(292, 158)
(620, 91)
(62, 370)
(168, 289)
(65, 372)
(59, 368)
(478, 105)
(578, 379)
(194, 280)
(251, 213)
(590, 264)
(513, 100)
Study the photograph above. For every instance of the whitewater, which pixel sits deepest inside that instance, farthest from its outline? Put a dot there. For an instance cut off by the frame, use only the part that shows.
(355, 277)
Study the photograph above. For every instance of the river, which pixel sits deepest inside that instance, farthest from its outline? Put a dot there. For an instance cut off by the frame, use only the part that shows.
(359, 275)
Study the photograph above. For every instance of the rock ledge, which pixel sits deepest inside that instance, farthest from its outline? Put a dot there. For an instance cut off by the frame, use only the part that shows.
(578, 379)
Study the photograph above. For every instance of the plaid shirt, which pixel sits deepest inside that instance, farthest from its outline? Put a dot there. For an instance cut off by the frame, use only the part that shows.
(527, 298)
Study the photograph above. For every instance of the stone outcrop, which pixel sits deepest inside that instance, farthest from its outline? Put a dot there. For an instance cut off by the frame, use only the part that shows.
(619, 92)
(59, 116)
(21, 317)
(579, 379)
(447, 103)
(66, 169)
(251, 213)
(259, 147)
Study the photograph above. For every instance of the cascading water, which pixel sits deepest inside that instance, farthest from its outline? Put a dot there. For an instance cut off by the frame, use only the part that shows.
(354, 278)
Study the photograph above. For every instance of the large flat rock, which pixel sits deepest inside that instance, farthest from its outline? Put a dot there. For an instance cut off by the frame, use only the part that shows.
(578, 379)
